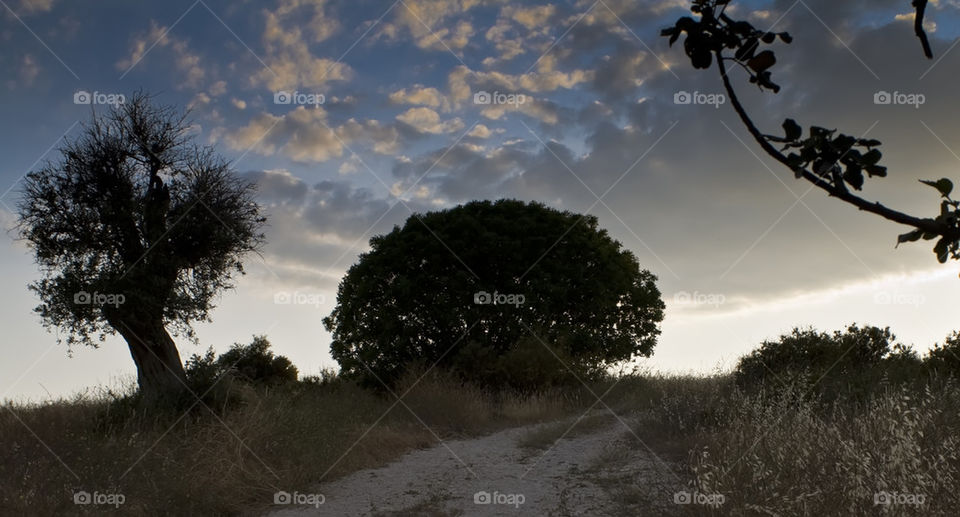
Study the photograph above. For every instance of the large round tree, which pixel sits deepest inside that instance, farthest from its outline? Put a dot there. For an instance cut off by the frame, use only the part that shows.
(493, 275)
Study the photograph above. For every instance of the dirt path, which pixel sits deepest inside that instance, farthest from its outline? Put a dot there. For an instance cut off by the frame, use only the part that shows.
(586, 473)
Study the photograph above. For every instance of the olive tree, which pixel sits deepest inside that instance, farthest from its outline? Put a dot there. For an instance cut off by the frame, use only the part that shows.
(136, 229)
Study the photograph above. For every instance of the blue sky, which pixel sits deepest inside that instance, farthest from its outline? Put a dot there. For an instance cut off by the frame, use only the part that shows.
(399, 130)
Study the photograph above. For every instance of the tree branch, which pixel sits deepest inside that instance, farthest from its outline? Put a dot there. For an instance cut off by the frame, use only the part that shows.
(926, 225)
(921, 6)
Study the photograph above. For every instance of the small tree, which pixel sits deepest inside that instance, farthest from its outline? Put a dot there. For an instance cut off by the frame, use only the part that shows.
(833, 162)
(136, 228)
(478, 277)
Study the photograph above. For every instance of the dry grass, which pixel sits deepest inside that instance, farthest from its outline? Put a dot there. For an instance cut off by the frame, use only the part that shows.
(792, 457)
(777, 453)
(286, 439)
(788, 453)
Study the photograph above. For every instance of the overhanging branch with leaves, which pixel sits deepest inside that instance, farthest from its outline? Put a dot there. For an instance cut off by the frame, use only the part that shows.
(833, 162)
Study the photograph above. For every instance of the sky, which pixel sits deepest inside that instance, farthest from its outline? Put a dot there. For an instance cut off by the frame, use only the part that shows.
(352, 114)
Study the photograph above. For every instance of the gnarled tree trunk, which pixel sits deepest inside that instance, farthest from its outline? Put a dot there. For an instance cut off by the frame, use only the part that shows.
(160, 373)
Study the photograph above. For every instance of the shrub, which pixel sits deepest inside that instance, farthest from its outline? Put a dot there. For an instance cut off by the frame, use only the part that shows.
(945, 358)
(850, 361)
(254, 363)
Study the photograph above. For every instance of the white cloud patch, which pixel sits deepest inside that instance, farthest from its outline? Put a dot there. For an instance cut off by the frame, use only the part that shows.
(481, 131)
(427, 120)
(928, 24)
(291, 64)
(421, 95)
(302, 134)
(533, 18)
(306, 135)
(431, 24)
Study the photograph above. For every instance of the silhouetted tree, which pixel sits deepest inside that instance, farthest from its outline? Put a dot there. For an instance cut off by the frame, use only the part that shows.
(812, 353)
(253, 363)
(453, 278)
(829, 160)
(135, 229)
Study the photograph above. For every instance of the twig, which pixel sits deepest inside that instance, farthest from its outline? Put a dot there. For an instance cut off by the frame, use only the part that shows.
(921, 6)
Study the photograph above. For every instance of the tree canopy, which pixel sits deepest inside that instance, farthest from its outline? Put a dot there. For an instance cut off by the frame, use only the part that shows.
(484, 275)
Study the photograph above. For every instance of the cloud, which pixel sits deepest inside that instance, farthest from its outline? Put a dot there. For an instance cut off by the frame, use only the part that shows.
(620, 75)
(480, 131)
(302, 134)
(307, 135)
(35, 6)
(425, 120)
(545, 111)
(419, 94)
(429, 24)
(278, 186)
(463, 82)
(290, 62)
(315, 231)
(386, 139)
(186, 62)
(508, 47)
(27, 73)
(533, 18)
(929, 25)
(521, 29)
(218, 88)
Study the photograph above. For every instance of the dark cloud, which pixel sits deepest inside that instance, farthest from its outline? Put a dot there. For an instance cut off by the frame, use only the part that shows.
(278, 186)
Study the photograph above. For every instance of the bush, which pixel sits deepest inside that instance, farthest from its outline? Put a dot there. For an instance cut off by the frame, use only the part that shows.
(852, 361)
(945, 358)
(254, 363)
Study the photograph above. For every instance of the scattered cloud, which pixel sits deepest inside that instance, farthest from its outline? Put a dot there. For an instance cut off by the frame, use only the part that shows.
(290, 61)
(421, 95)
(186, 61)
(427, 120)
(35, 6)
